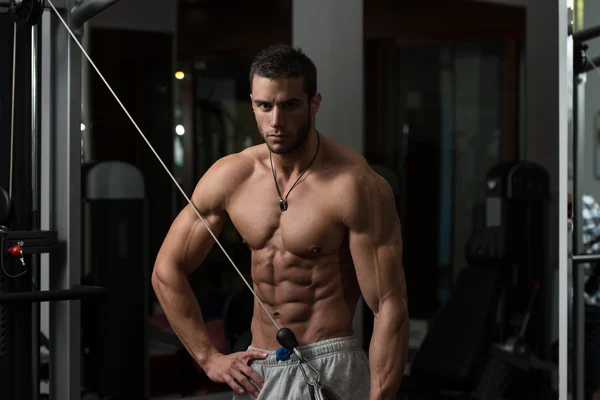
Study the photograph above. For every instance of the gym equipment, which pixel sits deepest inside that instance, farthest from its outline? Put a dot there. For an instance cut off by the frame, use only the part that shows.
(517, 343)
(27, 11)
(516, 199)
(582, 63)
(455, 351)
(30, 12)
(474, 332)
(114, 327)
(514, 369)
(26, 230)
(5, 204)
(18, 270)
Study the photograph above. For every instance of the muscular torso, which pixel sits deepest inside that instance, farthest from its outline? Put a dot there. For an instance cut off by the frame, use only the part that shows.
(301, 265)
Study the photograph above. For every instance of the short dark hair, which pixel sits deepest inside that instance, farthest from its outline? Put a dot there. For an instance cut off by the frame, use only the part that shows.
(283, 61)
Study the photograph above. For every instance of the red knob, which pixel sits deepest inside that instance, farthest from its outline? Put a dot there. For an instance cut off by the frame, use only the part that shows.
(15, 251)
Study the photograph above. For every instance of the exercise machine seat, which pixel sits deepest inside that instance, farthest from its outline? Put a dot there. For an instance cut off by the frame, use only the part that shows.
(454, 353)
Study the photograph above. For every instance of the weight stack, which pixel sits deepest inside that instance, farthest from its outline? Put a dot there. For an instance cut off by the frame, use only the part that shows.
(18, 321)
(114, 327)
(517, 196)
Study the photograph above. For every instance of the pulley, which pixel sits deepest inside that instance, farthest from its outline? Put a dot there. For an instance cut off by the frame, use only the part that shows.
(27, 11)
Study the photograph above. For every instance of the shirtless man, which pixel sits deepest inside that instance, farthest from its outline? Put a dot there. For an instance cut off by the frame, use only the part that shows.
(322, 228)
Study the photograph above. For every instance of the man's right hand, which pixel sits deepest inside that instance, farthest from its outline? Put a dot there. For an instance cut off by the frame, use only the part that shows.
(234, 370)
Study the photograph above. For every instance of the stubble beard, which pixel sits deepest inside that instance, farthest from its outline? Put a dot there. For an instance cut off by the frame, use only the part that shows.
(300, 137)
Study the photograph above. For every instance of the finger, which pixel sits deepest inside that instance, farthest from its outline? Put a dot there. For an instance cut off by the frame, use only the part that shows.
(252, 374)
(252, 354)
(244, 382)
(233, 384)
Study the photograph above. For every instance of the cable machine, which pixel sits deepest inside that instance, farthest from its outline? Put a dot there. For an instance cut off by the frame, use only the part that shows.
(40, 197)
(582, 64)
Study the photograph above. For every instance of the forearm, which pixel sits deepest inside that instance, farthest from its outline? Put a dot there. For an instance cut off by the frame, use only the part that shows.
(389, 349)
(181, 308)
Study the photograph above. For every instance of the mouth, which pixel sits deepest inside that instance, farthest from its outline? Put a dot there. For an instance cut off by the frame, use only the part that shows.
(278, 138)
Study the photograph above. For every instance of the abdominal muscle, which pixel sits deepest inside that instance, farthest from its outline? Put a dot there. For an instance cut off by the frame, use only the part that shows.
(315, 297)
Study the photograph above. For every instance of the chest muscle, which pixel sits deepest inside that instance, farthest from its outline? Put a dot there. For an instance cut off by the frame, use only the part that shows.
(305, 229)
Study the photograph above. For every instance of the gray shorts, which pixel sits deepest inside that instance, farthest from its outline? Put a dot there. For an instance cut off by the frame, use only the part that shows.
(342, 365)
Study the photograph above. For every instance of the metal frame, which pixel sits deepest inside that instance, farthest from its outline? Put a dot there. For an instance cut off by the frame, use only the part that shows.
(580, 66)
(584, 35)
(59, 4)
(61, 147)
(565, 56)
(60, 195)
(35, 201)
(589, 66)
(84, 10)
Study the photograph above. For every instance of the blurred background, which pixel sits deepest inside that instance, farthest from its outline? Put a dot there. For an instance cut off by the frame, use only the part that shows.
(448, 100)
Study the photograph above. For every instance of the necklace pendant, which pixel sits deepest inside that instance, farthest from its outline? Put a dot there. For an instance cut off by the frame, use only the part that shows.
(282, 205)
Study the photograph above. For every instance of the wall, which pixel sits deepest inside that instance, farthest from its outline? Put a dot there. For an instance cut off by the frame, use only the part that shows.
(333, 38)
(211, 31)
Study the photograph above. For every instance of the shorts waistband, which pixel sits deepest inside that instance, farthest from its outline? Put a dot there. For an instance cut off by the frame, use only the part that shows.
(308, 351)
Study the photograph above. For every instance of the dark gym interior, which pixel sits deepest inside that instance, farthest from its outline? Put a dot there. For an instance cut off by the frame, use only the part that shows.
(451, 115)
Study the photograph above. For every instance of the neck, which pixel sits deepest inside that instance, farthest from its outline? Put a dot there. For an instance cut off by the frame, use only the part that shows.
(295, 162)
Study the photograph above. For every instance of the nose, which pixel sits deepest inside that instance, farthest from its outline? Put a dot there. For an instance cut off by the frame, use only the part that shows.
(276, 117)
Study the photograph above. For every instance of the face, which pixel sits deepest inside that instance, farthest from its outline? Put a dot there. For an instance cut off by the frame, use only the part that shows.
(283, 113)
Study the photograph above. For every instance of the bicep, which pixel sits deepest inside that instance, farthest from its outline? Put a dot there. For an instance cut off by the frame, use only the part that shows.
(375, 241)
(188, 240)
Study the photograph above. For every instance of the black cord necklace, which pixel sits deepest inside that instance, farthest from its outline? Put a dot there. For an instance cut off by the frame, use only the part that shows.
(283, 205)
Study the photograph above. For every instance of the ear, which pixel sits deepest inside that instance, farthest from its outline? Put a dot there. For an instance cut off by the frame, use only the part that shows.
(315, 103)
(252, 102)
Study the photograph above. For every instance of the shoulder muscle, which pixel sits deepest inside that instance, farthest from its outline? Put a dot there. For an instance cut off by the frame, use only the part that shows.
(370, 205)
(219, 182)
